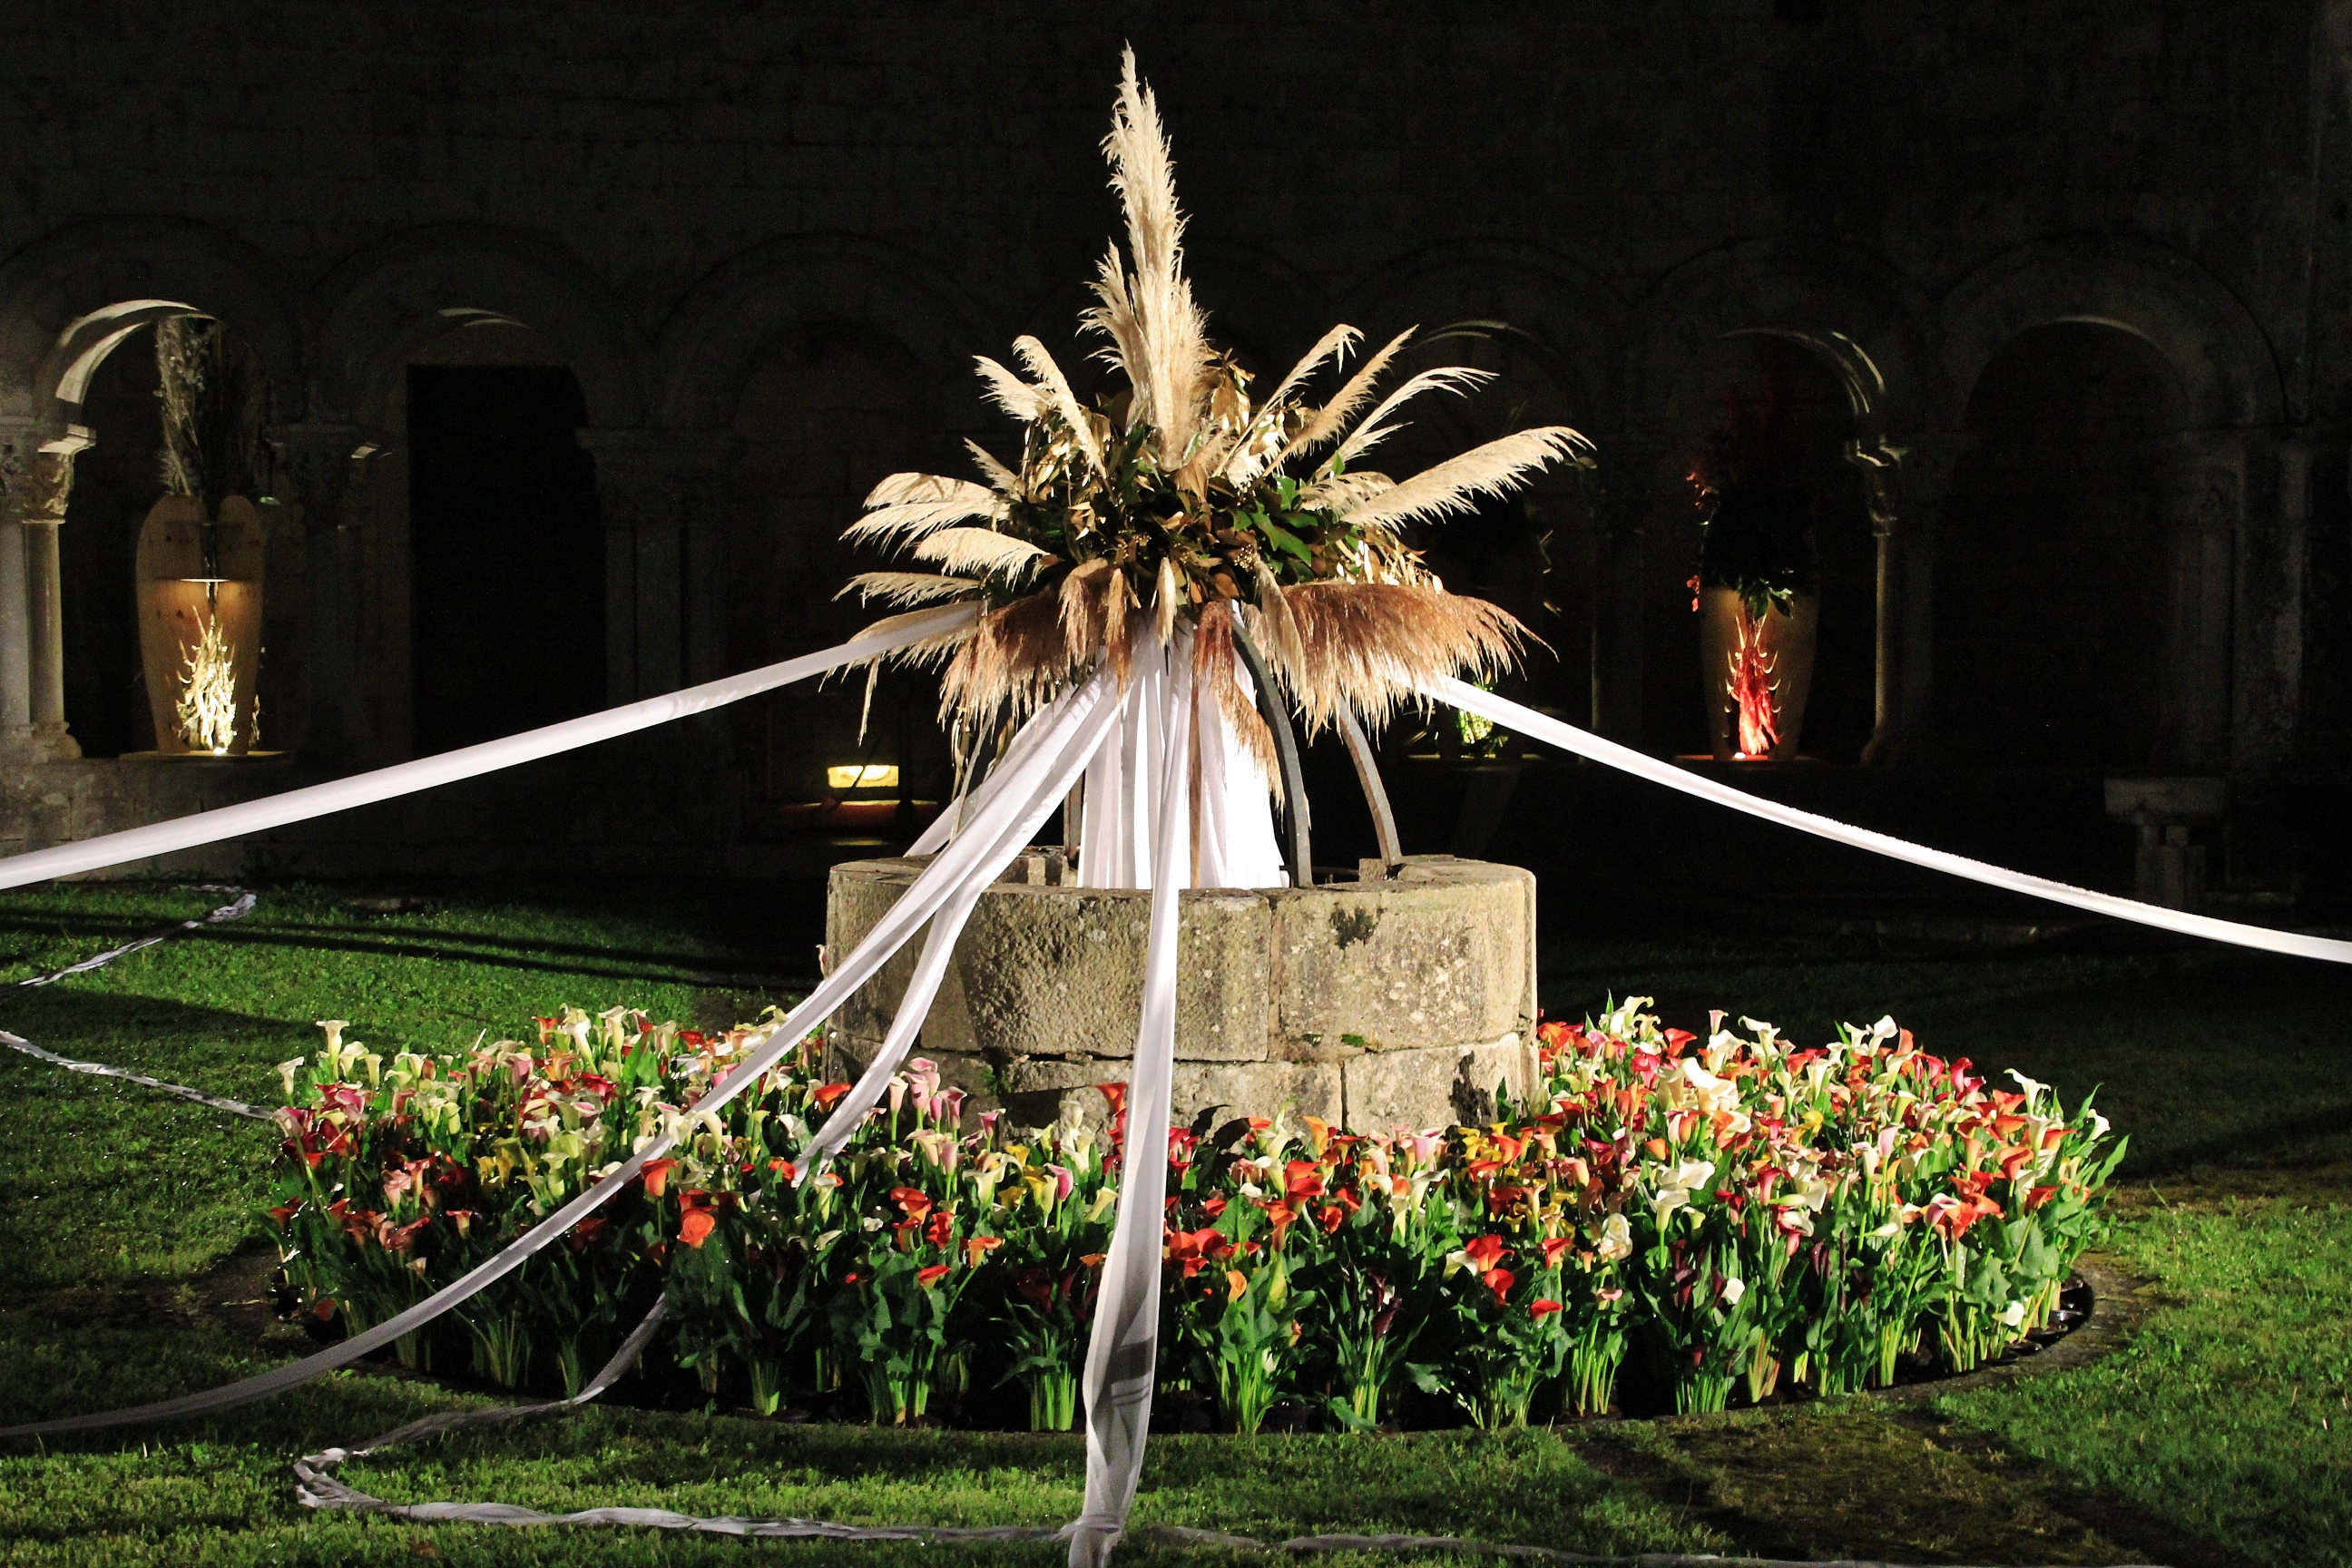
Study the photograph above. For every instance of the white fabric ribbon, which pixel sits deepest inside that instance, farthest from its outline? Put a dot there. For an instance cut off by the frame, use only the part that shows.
(1234, 844)
(1584, 743)
(1062, 740)
(974, 856)
(467, 762)
(1123, 1344)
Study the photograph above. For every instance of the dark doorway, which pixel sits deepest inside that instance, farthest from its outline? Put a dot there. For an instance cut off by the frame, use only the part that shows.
(510, 623)
(2050, 562)
(115, 482)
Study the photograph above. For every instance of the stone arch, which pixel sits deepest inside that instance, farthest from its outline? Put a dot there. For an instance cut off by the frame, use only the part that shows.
(1851, 323)
(712, 340)
(1551, 332)
(381, 305)
(1566, 314)
(1841, 304)
(2227, 373)
(67, 299)
(2208, 476)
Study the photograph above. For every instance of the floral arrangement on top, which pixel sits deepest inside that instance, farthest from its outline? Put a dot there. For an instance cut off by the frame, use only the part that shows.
(1180, 498)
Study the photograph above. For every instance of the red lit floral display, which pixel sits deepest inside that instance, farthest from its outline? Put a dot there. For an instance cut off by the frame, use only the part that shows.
(1724, 1218)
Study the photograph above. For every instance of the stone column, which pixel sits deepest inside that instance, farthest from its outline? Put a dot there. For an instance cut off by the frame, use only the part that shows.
(1881, 467)
(2273, 577)
(317, 460)
(2204, 509)
(663, 496)
(1908, 480)
(1620, 587)
(47, 485)
(16, 445)
(2276, 544)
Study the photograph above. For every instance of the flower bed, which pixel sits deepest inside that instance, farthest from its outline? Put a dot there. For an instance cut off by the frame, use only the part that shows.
(1727, 1219)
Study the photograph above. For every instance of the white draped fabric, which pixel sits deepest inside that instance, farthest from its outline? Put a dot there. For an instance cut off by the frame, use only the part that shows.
(1233, 816)
(1223, 787)
(1123, 1347)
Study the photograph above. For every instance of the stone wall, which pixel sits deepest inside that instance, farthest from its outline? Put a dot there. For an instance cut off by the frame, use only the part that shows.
(1386, 1003)
(767, 241)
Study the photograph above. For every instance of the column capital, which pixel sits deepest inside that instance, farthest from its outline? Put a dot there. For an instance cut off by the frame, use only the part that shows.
(1928, 450)
(318, 457)
(47, 481)
(324, 436)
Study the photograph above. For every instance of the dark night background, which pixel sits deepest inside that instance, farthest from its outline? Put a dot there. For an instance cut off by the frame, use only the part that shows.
(588, 325)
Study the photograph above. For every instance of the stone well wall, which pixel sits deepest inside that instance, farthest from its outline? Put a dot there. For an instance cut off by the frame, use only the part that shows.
(1377, 1004)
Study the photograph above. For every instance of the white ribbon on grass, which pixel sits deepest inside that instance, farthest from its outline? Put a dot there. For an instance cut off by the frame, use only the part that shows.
(314, 1487)
(1584, 743)
(101, 1069)
(1123, 1344)
(235, 910)
(976, 857)
(466, 762)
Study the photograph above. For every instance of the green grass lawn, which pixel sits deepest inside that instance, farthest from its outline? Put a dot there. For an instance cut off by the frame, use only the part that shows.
(131, 1258)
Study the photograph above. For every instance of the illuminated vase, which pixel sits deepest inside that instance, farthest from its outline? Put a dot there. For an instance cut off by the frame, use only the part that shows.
(1755, 675)
(199, 584)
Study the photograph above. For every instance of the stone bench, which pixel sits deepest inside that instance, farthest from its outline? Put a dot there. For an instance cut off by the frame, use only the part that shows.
(1383, 1003)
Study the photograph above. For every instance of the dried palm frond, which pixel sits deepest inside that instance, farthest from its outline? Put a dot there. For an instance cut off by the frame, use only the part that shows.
(915, 654)
(1366, 646)
(1281, 631)
(1455, 485)
(1012, 662)
(925, 650)
(1214, 666)
(910, 520)
(983, 552)
(1081, 608)
(1332, 418)
(1456, 378)
(900, 488)
(910, 587)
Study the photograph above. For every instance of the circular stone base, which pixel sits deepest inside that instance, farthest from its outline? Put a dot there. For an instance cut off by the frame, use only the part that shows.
(1386, 1003)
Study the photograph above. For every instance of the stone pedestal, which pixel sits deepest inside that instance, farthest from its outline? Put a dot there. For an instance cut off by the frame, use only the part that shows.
(1383, 1003)
(2168, 866)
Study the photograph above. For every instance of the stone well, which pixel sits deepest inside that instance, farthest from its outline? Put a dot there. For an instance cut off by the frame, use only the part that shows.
(1377, 1004)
